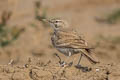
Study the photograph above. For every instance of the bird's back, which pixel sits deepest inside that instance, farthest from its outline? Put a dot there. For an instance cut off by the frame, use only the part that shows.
(69, 39)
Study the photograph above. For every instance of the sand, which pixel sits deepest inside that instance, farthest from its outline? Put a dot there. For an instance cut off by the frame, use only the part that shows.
(33, 54)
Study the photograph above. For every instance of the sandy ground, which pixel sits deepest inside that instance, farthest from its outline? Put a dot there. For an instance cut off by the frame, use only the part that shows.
(33, 55)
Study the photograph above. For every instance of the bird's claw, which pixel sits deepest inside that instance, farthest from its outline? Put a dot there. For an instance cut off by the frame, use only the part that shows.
(62, 64)
(70, 64)
(84, 69)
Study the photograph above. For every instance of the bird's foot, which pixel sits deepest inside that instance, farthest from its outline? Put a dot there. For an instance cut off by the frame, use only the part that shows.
(84, 69)
(64, 64)
(70, 64)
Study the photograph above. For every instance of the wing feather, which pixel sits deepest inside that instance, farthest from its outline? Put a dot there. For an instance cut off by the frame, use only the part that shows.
(70, 39)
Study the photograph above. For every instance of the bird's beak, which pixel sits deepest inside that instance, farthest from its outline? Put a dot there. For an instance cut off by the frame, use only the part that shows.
(46, 20)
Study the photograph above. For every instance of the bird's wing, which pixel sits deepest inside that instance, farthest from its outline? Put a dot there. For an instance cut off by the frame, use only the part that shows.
(90, 55)
(70, 39)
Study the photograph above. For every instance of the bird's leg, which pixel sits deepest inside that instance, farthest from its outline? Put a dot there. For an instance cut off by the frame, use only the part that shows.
(84, 69)
(78, 64)
(62, 63)
(67, 60)
(70, 63)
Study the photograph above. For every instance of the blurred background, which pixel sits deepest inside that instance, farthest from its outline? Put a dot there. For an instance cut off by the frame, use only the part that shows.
(23, 35)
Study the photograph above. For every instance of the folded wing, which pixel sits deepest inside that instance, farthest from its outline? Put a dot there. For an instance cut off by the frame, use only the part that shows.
(70, 39)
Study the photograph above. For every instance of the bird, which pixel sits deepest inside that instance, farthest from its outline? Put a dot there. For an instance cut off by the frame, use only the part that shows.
(69, 42)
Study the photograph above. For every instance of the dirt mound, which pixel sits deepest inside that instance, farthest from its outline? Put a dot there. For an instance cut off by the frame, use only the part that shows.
(37, 70)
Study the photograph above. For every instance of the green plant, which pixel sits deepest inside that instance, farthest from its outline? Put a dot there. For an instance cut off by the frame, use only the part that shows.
(113, 40)
(43, 12)
(110, 17)
(116, 40)
(37, 8)
(7, 35)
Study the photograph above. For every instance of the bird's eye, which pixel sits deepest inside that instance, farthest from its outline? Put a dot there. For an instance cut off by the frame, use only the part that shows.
(56, 21)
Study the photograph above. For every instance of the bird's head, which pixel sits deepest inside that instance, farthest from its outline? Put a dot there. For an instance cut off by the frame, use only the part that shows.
(56, 23)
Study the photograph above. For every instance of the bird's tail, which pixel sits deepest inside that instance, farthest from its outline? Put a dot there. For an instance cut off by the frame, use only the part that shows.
(88, 53)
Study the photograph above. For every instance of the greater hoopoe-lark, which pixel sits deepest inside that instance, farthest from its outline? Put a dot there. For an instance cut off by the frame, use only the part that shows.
(69, 42)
